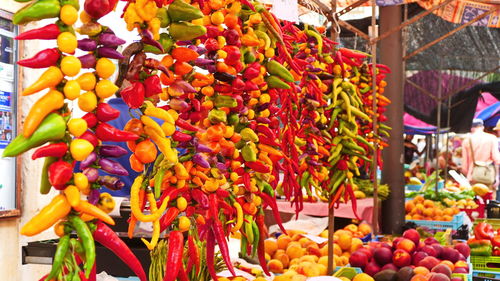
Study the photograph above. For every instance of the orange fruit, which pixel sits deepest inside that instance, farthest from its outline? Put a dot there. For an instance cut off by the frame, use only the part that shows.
(336, 249)
(283, 241)
(419, 199)
(449, 264)
(275, 266)
(356, 243)
(294, 251)
(421, 270)
(345, 241)
(352, 228)
(409, 206)
(428, 203)
(365, 228)
(362, 277)
(271, 246)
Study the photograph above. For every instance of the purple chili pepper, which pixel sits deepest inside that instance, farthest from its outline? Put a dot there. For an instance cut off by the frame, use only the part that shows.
(109, 150)
(221, 166)
(203, 148)
(264, 120)
(112, 167)
(88, 161)
(88, 61)
(111, 182)
(202, 61)
(91, 173)
(200, 160)
(211, 68)
(93, 196)
(110, 40)
(88, 45)
(147, 38)
(109, 53)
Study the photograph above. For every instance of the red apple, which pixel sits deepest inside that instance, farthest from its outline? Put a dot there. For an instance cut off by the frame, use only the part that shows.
(382, 256)
(463, 248)
(407, 245)
(429, 250)
(401, 258)
(367, 252)
(417, 257)
(358, 259)
(371, 268)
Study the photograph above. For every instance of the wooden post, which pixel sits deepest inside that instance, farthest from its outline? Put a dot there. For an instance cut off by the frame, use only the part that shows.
(331, 229)
(374, 117)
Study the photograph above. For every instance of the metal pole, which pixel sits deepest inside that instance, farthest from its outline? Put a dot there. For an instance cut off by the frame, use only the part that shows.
(375, 121)
(391, 54)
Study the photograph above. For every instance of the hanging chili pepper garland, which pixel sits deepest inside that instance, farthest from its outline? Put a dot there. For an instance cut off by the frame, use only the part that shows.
(237, 99)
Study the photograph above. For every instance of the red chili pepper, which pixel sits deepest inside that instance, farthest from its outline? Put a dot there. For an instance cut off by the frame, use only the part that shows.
(182, 276)
(108, 238)
(271, 202)
(48, 32)
(342, 165)
(228, 209)
(106, 132)
(352, 54)
(42, 59)
(354, 204)
(261, 252)
(211, 253)
(194, 255)
(91, 137)
(222, 242)
(181, 137)
(213, 206)
(200, 197)
(174, 255)
(106, 112)
(167, 218)
(152, 86)
(183, 124)
(60, 172)
(52, 150)
(246, 181)
(258, 166)
(91, 119)
(44, 277)
(133, 95)
(222, 193)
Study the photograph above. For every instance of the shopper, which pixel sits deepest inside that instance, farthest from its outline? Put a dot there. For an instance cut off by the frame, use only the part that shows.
(497, 132)
(410, 149)
(480, 156)
(445, 160)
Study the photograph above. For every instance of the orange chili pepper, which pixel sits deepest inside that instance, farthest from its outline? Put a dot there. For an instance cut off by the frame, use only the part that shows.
(236, 137)
(183, 54)
(265, 159)
(182, 68)
(269, 149)
(201, 175)
(167, 80)
(215, 133)
(250, 208)
(167, 61)
(135, 163)
(197, 181)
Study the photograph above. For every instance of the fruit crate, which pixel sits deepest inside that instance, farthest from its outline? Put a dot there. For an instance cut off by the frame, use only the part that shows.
(463, 276)
(485, 275)
(412, 187)
(481, 263)
(454, 224)
(348, 272)
(494, 222)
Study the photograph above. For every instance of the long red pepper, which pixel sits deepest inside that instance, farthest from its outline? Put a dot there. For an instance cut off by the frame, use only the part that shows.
(350, 191)
(167, 219)
(42, 59)
(106, 132)
(222, 242)
(261, 252)
(51, 150)
(174, 255)
(182, 276)
(211, 253)
(108, 238)
(183, 124)
(194, 255)
(48, 32)
(258, 167)
(274, 207)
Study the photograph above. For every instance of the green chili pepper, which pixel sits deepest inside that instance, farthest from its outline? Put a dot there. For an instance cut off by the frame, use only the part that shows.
(274, 82)
(85, 235)
(317, 36)
(225, 101)
(217, 116)
(62, 249)
(181, 11)
(166, 42)
(41, 9)
(247, 134)
(248, 154)
(44, 181)
(158, 181)
(233, 119)
(52, 128)
(185, 158)
(162, 14)
(267, 188)
(74, 3)
(77, 246)
(186, 31)
(248, 228)
(256, 238)
(244, 243)
(275, 68)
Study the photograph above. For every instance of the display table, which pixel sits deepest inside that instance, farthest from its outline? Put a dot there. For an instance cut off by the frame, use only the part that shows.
(320, 209)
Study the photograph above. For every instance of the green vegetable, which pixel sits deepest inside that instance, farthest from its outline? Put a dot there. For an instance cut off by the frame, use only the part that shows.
(62, 249)
(275, 68)
(41, 9)
(274, 82)
(186, 31)
(181, 11)
(85, 235)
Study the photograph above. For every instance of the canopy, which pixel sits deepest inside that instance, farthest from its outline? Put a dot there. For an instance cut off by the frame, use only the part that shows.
(490, 114)
(413, 126)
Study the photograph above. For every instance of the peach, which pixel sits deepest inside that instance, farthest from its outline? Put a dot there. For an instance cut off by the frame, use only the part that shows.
(275, 266)
(356, 243)
(324, 250)
(407, 245)
(419, 277)
(324, 234)
(299, 277)
(294, 251)
(309, 258)
(429, 262)
(448, 264)
(439, 277)
(324, 261)
(303, 242)
(363, 277)
(345, 241)
(322, 269)
(401, 258)
(413, 235)
(443, 269)
(271, 246)
(283, 241)
(313, 250)
(421, 270)
(365, 228)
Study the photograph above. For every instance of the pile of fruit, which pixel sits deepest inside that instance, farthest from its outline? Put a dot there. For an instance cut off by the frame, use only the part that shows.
(486, 240)
(423, 209)
(409, 250)
(232, 99)
(306, 257)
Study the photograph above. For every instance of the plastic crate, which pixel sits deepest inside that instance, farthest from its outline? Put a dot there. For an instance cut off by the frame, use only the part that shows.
(413, 187)
(463, 276)
(480, 275)
(457, 221)
(482, 263)
(348, 272)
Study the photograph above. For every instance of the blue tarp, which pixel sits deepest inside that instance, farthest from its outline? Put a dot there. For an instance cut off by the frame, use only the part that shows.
(490, 115)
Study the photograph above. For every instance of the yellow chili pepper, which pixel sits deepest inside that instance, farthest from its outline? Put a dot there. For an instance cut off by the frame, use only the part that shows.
(146, 9)
(164, 145)
(148, 121)
(131, 17)
(57, 209)
(49, 79)
(73, 195)
(154, 27)
(181, 172)
(51, 101)
(156, 223)
(92, 210)
(159, 113)
(239, 217)
(134, 203)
